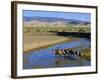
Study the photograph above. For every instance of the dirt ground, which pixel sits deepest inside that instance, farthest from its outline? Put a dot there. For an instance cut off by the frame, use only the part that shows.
(32, 42)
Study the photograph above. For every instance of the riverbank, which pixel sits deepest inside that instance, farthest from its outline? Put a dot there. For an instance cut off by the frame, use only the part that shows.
(37, 41)
(86, 53)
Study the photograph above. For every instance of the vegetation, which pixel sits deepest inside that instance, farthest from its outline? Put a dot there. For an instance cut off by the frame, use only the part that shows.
(87, 54)
(35, 30)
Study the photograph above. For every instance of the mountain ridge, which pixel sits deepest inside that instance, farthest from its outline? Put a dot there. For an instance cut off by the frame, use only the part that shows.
(54, 19)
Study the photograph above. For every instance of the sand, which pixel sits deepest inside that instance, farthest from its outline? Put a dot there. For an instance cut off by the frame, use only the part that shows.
(34, 42)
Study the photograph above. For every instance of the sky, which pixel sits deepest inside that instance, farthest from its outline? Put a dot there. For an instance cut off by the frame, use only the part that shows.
(65, 15)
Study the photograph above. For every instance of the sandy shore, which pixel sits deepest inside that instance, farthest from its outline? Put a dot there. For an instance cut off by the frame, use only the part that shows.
(38, 41)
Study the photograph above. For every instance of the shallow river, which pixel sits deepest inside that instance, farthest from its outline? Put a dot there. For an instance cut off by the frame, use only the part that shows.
(44, 58)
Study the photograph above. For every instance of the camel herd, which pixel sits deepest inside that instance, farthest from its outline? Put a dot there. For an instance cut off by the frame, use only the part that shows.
(67, 52)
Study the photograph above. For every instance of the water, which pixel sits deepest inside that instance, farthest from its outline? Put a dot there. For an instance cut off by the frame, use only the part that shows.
(45, 58)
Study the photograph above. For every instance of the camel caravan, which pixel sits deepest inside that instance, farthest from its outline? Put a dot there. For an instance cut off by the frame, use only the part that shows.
(67, 52)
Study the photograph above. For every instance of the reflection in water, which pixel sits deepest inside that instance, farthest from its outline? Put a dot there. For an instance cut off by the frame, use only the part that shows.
(80, 62)
(45, 58)
(58, 61)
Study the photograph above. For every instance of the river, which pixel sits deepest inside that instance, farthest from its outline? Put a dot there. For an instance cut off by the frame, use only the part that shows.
(44, 58)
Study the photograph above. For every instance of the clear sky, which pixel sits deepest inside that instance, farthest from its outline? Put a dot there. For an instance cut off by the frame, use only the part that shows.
(66, 15)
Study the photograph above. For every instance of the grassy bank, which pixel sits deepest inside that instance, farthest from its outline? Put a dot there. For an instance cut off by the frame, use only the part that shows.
(86, 53)
(48, 30)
